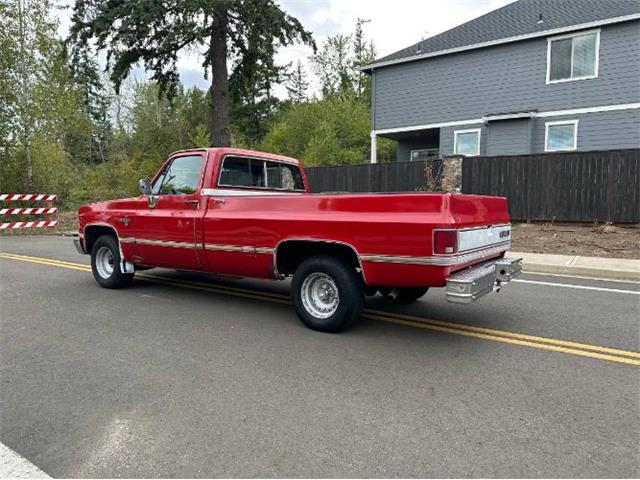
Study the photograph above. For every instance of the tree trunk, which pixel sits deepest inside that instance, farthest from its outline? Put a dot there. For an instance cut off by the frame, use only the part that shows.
(27, 154)
(22, 97)
(220, 132)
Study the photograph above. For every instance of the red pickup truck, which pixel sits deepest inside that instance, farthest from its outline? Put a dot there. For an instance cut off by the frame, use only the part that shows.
(250, 214)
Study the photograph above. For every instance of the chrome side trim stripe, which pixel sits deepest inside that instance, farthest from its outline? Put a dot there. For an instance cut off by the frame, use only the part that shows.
(207, 246)
(221, 192)
(433, 260)
(165, 243)
(229, 248)
(238, 248)
(158, 243)
(440, 261)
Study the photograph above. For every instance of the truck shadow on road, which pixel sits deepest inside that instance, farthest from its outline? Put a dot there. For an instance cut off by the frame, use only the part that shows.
(431, 308)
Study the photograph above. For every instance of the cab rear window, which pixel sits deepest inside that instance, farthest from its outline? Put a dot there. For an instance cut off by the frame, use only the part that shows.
(257, 173)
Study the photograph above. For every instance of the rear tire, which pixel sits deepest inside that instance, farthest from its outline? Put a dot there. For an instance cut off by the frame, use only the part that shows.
(328, 294)
(105, 264)
(405, 295)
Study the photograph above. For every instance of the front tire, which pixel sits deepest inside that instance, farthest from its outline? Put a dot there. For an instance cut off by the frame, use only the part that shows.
(328, 294)
(105, 264)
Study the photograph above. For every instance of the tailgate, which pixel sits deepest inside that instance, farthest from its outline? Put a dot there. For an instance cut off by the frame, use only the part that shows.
(477, 210)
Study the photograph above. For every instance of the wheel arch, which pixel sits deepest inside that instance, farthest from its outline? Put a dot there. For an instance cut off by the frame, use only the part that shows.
(93, 231)
(291, 252)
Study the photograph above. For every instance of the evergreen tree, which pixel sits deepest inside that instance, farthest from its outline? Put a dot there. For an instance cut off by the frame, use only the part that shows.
(297, 84)
(251, 85)
(93, 146)
(153, 32)
(364, 53)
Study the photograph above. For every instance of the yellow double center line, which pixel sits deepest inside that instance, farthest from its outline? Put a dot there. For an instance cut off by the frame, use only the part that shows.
(513, 338)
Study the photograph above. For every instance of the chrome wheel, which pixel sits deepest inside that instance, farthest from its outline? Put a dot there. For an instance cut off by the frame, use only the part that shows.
(319, 294)
(105, 262)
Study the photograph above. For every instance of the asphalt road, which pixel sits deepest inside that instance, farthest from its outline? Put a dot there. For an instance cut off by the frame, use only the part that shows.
(194, 376)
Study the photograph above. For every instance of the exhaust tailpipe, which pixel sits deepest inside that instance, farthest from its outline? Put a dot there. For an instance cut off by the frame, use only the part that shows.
(392, 295)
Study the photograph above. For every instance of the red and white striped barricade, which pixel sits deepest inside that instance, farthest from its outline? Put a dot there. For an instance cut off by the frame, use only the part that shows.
(28, 197)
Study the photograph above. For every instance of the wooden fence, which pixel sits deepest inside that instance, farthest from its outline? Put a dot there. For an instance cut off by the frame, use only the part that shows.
(568, 186)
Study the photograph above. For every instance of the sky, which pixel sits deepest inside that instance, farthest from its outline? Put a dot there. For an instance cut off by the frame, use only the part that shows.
(392, 25)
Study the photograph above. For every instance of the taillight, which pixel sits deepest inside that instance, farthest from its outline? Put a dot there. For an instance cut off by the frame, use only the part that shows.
(445, 242)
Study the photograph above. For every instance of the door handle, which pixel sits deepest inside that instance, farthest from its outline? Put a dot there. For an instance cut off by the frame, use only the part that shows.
(192, 202)
(218, 200)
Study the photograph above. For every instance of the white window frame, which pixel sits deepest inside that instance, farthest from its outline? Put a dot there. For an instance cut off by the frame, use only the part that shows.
(561, 122)
(573, 35)
(469, 130)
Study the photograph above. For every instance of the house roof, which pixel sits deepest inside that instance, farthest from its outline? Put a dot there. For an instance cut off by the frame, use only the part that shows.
(517, 21)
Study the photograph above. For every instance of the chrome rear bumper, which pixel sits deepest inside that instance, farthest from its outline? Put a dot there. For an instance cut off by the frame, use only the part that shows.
(469, 285)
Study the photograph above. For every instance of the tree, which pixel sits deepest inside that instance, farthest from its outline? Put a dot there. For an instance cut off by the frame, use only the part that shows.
(297, 84)
(26, 35)
(339, 60)
(335, 129)
(364, 53)
(247, 32)
(251, 85)
(331, 131)
(38, 97)
(332, 64)
(90, 144)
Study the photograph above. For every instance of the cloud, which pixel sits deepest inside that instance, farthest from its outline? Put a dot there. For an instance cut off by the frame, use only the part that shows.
(193, 78)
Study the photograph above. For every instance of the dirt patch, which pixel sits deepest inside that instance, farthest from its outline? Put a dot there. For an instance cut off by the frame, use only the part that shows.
(589, 241)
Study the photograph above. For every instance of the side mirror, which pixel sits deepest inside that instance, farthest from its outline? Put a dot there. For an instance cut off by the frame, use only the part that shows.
(144, 187)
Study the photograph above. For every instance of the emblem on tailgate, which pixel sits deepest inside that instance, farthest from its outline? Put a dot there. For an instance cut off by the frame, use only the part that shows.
(505, 233)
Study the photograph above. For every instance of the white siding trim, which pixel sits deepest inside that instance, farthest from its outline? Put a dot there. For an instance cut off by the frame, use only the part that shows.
(470, 130)
(508, 116)
(576, 111)
(456, 123)
(472, 121)
(550, 40)
(516, 38)
(561, 122)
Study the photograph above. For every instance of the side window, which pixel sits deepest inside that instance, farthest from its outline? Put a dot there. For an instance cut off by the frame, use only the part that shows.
(235, 172)
(256, 173)
(256, 169)
(274, 177)
(242, 172)
(291, 177)
(180, 177)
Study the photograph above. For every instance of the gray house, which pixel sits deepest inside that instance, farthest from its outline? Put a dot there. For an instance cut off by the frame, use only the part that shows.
(534, 76)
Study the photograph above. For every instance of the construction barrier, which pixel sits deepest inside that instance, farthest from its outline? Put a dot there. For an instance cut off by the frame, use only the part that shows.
(28, 197)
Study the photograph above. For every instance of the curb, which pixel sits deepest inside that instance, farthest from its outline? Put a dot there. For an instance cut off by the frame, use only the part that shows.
(581, 271)
(580, 266)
